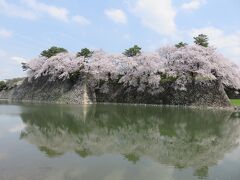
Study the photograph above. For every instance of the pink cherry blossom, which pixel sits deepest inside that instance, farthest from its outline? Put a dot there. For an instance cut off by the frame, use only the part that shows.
(145, 71)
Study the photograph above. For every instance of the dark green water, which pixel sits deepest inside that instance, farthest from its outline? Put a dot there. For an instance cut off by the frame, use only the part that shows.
(117, 142)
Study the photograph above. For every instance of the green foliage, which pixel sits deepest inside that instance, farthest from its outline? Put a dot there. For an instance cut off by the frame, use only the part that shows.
(132, 157)
(49, 152)
(167, 79)
(83, 153)
(181, 44)
(3, 85)
(53, 51)
(74, 76)
(235, 102)
(133, 51)
(85, 52)
(202, 173)
(201, 40)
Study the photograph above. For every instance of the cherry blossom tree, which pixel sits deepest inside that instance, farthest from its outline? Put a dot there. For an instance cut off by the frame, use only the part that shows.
(146, 71)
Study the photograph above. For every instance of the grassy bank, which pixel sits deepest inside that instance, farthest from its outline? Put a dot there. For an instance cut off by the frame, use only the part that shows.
(235, 102)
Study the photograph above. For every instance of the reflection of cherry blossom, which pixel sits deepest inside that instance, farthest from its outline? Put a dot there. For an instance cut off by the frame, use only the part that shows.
(177, 137)
(182, 65)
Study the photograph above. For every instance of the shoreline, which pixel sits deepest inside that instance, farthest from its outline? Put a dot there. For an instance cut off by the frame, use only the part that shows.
(230, 108)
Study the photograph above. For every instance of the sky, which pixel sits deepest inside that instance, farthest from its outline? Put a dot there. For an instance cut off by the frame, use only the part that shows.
(27, 27)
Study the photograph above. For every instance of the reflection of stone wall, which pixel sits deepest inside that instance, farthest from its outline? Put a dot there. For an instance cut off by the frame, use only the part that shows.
(86, 90)
(174, 136)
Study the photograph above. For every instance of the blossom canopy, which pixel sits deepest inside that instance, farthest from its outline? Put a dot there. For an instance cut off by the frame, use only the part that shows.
(146, 71)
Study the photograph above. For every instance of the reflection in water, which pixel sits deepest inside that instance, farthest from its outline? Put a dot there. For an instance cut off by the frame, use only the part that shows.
(183, 138)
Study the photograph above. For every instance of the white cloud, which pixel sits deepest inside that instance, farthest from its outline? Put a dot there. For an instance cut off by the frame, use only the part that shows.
(193, 5)
(34, 9)
(18, 128)
(228, 44)
(158, 15)
(117, 15)
(81, 20)
(53, 11)
(5, 33)
(10, 65)
(18, 60)
(13, 10)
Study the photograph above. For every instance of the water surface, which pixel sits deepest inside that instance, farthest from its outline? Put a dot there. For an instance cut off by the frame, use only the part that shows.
(117, 142)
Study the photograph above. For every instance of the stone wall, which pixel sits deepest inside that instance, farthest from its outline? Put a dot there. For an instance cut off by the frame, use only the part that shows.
(197, 94)
(82, 91)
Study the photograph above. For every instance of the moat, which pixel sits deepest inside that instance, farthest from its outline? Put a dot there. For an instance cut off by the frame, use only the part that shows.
(94, 142)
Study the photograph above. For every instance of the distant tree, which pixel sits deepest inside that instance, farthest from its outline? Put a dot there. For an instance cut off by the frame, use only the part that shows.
(201, 40)
(133, 51)
(2, 85)
(53, 51)
(85, 52)
(181, 44)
